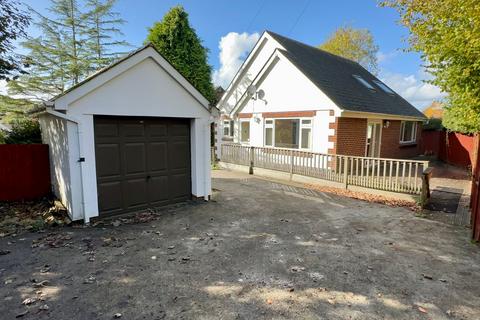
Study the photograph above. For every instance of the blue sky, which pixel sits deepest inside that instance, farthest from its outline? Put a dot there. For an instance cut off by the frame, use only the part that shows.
(309, 21)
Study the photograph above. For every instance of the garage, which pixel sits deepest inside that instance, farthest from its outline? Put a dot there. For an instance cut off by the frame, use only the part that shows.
(133, 136)
(141, 162)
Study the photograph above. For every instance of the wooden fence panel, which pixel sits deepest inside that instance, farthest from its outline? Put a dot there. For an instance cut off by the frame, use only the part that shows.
(24, 172)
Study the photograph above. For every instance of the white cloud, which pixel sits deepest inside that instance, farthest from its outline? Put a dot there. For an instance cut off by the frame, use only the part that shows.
(413, 87)
(3, 87)
(385, 57)
(233, 50)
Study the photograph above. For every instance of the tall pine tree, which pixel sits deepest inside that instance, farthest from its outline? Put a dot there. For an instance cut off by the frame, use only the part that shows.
(102, 32)
(178, 42)
(72, 45)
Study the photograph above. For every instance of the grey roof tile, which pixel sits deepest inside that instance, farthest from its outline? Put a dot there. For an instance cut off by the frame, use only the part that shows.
(334, 76)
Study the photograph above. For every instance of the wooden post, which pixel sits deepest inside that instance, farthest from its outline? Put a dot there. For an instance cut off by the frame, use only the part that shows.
(250, 169)
(345, 172)
(291, 165)
(425, 195)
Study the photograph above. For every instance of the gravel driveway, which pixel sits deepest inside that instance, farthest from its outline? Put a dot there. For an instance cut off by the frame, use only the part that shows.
(259, 250)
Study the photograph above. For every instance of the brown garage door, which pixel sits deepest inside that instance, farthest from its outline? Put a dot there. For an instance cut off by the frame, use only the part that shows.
(141, 162)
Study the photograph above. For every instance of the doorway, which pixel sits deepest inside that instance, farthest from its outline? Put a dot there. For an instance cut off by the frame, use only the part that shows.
(374, 138)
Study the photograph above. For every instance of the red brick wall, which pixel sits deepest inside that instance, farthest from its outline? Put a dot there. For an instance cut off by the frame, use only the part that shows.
(350, 136)
(391, 147)
(351, 133)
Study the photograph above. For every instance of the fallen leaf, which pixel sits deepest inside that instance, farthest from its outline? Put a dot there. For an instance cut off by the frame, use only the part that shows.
(29, 301)
(423, 310)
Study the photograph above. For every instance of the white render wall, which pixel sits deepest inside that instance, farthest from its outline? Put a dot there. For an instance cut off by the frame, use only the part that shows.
(144, 90)
(55, 134)
(288, 90)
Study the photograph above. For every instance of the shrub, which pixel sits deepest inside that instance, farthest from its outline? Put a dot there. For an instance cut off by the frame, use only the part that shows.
(24, 131)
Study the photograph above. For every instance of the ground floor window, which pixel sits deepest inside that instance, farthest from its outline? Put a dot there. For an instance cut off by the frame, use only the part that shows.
(228, 128)
(245, 131)
(408, 132)
(289, 133)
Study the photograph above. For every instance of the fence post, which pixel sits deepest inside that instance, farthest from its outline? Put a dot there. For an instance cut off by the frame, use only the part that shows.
(345, 172)
(291, 165)
(250, 169)
(425, 195)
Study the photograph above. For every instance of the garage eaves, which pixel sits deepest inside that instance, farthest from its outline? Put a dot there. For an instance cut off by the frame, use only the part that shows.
(61, 101)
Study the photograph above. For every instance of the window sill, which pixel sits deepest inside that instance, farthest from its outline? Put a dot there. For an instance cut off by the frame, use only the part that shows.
(227, 138)
(408, 144)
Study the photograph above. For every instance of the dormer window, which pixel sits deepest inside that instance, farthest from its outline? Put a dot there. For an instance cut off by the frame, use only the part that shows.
(364, 82)
(383, 86)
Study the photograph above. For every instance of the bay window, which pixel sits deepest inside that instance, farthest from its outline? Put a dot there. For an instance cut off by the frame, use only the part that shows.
(408, 132)
(292, 133)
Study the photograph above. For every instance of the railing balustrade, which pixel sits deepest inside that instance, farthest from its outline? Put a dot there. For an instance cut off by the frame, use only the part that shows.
(397, 175)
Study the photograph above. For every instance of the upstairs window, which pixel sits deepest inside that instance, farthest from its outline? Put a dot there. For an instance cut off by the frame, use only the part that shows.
(363, 82)
(384, 87)
(408, 132)
(228, 128)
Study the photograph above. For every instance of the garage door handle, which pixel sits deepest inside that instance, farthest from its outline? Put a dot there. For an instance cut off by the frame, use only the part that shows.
(148, 177)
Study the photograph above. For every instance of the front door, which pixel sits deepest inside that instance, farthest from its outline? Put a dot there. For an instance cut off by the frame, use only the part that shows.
(374, 137)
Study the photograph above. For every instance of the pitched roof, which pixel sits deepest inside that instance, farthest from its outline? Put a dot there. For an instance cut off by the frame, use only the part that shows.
(126, 57)
(334, 75)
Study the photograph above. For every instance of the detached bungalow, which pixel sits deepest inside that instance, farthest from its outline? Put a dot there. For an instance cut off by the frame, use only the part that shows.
(291, 95)
(133, 136)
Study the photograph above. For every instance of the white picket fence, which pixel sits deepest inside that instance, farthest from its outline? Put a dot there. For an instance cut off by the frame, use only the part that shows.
(397, 175)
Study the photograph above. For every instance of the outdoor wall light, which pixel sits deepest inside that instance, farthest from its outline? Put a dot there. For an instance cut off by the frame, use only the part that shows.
(386, 124)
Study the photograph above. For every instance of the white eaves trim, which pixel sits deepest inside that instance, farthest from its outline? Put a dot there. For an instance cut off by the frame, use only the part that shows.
(246, 65)
(93, 82)
(380, 116)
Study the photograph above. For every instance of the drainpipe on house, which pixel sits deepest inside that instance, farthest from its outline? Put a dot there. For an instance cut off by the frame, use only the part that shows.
(57, 114)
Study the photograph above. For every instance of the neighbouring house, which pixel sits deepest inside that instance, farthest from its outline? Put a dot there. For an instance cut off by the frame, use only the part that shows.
(291, 95)
(434, 111)
(134, 135)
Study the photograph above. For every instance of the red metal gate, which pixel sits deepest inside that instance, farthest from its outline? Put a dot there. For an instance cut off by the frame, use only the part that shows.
(475, 200)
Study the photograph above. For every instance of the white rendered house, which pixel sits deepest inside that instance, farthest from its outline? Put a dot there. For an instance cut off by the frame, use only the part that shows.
(291, 95)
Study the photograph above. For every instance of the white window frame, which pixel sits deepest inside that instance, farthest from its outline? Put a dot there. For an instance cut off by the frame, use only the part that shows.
(364, 82)
(302, 126)
(413, 138)
(228, 124)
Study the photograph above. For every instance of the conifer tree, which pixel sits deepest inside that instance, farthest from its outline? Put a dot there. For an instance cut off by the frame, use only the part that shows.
(178, 42)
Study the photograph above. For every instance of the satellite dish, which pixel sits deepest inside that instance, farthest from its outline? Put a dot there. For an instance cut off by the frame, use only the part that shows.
(251, 90)
(260, 94)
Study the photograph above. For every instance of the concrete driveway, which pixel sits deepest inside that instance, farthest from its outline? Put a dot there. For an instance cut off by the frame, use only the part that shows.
(260, 250)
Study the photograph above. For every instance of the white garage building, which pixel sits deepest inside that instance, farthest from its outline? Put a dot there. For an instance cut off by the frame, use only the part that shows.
(133, 136)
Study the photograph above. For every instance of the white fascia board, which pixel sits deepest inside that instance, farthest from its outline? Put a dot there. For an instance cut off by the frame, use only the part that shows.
(267, 67)
(62, 102)
(245, 66)
(383, 116)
